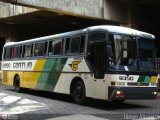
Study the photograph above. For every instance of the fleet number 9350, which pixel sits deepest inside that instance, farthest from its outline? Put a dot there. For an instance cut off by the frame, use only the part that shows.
(129, 78)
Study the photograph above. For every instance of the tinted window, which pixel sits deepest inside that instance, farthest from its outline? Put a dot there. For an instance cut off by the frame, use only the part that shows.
(7, 53)
(13, 52)
(18, 52)
(40, 49)
(75, 45)
(67, 47)
(28, 50)
(50, 48)
(57, 47)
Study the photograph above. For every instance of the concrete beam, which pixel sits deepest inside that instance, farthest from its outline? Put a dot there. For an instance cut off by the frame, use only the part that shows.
(75, 7)
(9, 10)
(98, 9)
(116, 11)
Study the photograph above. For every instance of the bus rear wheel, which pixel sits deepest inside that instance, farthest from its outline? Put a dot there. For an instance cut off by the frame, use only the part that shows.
(79, 92)
(17, 87)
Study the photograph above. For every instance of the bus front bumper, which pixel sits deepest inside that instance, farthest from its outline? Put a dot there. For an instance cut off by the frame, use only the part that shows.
(132, 93)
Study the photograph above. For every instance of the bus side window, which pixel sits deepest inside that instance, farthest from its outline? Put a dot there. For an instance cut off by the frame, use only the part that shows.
(50, 48)
(28, 50)
(57, 47)
(40, 49)
(36, 50)
(62, 47)
(75, 45)
(45, 50)
(67, 47)
(7, 53)
(13, 52)
(18, 52)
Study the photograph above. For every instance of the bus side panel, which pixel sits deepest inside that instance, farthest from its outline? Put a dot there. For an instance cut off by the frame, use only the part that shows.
(51, 72)
(31, 77)
(74, 67)
(62, 84)
(8, 77)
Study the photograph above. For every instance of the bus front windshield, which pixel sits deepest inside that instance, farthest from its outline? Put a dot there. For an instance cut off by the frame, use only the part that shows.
(132, 54)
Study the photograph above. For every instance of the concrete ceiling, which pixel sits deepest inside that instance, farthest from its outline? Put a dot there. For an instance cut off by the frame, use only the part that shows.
(51, 19)
(146, 15)
(43, 23)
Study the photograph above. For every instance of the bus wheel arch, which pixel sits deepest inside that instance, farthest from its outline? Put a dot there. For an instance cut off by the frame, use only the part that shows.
(16, 83)
(78, 90)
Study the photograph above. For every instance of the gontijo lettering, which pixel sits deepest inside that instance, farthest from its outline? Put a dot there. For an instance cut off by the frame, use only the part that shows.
(22, 65)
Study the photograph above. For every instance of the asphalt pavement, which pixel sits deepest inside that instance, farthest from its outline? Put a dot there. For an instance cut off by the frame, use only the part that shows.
(40, 105)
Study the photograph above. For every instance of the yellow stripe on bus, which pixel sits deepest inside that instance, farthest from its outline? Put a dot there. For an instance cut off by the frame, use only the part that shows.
(31, 78)
(39, 65)
(153, 79)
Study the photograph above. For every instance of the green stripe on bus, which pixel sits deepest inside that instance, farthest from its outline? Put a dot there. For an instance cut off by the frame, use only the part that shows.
(147, 79)
(42, 80)
(48, 80)
(141, 79)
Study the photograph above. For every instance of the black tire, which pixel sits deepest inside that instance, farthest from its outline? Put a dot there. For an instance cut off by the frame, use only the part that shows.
(79, 93)
(17, 87)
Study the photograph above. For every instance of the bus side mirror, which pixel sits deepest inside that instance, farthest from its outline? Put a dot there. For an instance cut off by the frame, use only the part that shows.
(99, 50)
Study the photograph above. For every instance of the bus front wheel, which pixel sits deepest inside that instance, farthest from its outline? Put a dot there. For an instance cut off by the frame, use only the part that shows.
(118, 101)
(17, 87)
(79, 92)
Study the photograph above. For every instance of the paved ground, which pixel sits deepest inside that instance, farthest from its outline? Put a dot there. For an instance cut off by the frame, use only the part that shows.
(40, 105)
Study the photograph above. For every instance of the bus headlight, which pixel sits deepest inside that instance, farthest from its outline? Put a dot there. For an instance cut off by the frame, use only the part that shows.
(118, 92)
(155, 93)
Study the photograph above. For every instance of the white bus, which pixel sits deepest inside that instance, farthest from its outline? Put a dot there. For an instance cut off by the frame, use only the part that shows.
(104, 62)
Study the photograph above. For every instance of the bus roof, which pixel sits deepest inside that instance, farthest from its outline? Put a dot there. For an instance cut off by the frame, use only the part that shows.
(122, 30)
(109, 28)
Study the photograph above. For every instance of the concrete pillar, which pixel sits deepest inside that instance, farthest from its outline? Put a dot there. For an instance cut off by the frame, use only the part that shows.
(128, 17)
(115, 11)
(131, 17)
(9, 32)
(3, 30)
